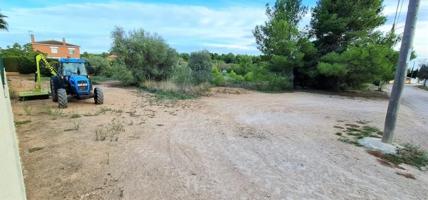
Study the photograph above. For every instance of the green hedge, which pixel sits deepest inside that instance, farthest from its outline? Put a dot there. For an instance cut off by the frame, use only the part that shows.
(11, 63)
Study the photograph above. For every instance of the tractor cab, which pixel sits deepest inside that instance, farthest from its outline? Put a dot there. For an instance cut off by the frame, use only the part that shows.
(75, 77)
(72, 66)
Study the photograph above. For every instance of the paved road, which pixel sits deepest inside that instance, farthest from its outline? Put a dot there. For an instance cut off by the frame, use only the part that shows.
(417, 100)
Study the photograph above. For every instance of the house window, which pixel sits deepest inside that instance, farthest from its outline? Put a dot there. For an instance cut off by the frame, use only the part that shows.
(54, 50)
(71, 51)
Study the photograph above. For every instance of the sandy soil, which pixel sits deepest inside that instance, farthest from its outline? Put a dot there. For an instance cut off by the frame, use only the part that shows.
(245, 145)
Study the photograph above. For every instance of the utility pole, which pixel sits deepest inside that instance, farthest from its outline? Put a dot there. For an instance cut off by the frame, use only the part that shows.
(400, 74)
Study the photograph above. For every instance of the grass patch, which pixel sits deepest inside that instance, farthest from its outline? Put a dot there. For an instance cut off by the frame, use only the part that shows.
(170, 95)
(409, 154)
(168, 90)
(351, 133)
(19, 123)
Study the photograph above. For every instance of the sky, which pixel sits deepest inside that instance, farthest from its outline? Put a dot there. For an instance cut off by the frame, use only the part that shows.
(220, 26)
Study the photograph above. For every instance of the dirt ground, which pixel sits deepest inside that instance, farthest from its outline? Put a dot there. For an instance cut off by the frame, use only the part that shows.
(234, 144)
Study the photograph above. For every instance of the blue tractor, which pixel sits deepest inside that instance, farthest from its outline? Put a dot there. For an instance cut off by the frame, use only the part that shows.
(69, 80)
(72, 80)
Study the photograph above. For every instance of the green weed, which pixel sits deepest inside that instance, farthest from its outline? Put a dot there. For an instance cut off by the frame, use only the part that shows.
(75, 115)
(18, 123)
(353, 132)
(411, 155)
(110, 132)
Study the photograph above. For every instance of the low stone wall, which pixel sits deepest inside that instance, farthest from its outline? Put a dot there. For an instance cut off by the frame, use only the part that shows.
(11, 179)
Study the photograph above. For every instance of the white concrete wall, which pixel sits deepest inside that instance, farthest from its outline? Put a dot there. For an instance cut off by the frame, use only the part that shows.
(11, 179)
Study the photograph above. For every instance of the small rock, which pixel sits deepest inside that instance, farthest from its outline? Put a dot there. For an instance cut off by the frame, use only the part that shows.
(31, 150)
(377, 145)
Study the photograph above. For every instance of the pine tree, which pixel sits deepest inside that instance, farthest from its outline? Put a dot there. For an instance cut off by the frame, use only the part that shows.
(279, 37)
(337, 23)
(3, 23)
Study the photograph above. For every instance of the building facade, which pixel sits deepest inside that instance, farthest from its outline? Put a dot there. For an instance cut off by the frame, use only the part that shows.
(56, 49)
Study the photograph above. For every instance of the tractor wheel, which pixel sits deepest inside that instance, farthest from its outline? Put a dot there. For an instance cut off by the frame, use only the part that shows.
(62, 98)
(53, 92)
(98, 96)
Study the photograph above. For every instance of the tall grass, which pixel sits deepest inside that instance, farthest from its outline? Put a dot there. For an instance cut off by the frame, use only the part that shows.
(173, 91)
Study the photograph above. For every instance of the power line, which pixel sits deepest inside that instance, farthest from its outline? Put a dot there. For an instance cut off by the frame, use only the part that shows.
(395, 17)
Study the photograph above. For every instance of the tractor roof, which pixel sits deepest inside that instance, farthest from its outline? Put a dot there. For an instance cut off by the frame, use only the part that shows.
(71, 60)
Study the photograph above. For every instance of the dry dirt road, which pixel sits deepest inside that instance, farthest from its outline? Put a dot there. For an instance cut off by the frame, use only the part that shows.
(226, 146)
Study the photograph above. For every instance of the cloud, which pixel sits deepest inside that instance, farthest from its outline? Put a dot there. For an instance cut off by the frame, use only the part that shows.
(420, 41)
(184, 27)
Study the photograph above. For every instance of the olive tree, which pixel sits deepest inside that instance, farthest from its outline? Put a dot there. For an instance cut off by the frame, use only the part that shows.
(146, 55)
(201, 65)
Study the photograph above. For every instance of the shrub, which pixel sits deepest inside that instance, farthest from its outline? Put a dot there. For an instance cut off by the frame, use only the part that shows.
(235, 78)
(258, 77)
(411, 155)
(101, 66)
(272, 82)
(123, 74)
(200, 63)
(11, 63)
(249, 76)
(217, 77)
(23, 57)
(146, 55)
(168, 90)
(182, 75)
(26, 65)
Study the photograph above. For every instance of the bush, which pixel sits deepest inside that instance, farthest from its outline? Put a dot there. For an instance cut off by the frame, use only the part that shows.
(123, 74)
(411, 155)
(234, 78)
(168, 90)
(22, 56)
(200, 63)
(26, 65)
(249, 76)
(258, 77)
(146, 55)
(217, 77)
(11, 63)
(101, 66)
(272, 82)
(182, 75)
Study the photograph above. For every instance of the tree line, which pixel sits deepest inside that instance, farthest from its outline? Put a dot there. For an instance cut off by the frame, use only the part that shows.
(341, 48)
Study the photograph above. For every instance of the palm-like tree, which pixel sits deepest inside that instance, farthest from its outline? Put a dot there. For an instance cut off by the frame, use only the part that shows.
(3, 23)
